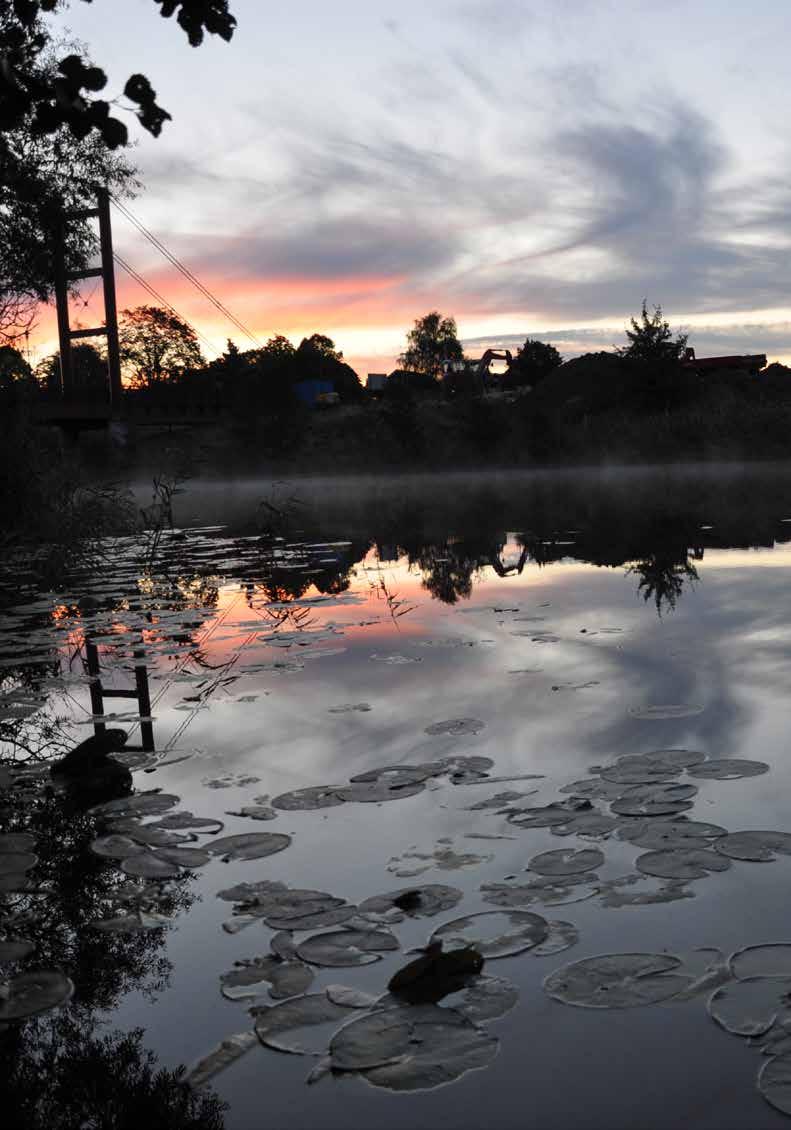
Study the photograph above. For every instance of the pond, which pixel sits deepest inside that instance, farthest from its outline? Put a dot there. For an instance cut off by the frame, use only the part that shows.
(539, 719)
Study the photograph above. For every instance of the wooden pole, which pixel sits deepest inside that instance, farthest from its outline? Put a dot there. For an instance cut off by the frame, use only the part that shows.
(110, 309)
(62, 303)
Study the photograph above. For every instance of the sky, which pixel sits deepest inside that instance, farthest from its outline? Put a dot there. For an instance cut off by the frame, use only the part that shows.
(531, 168)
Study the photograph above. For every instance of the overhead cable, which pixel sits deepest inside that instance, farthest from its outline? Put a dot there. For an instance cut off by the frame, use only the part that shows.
(185, 271)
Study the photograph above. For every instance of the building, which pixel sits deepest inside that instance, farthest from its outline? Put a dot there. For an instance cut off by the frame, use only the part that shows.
(749, 364)
(375, 382)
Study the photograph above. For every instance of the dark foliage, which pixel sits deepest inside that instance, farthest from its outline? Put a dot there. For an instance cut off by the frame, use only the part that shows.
(534, 361)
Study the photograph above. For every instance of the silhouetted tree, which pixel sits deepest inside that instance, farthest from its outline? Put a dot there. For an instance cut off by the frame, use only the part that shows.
(13, 366)
(432, 341)
(317, 358)
(156, 346)
(651, 339)
(50, 97)
(89, 371)
(534, 361)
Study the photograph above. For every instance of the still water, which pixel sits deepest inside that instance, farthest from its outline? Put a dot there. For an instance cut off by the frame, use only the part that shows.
(499, 645)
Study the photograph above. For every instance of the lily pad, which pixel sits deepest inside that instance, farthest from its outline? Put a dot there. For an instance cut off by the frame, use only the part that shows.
(728, 769)
(279, 1026)
(566, 861)
(559, 812)
(572, 888)
(376, 792)
(142, 804)
(186, 822)
(633, 890)
(774, 1082)
(589, 825)
(250, 979)
(16, 862)
(487, 998)
(654, 800)
(562, 936)
(754, 846)
(659, 835)
(494, 933)
(749, 1007)
(226, 1053)
(249, 845)
(28, 994)
(617, 980)
(414, 1048)
(116, 846)
(346, 947)
(315, 796)
(184, 856)
(350, 708)
(307, 919)
(773, 959)
(594, 788)
(255, 812)
(412, 902)
(147, 865)
(14, 949)
(681, 863)
(456, 727)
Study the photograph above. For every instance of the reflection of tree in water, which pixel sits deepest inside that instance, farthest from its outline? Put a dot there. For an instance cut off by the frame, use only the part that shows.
(58, 1072)
(450, 567)
(662, 577)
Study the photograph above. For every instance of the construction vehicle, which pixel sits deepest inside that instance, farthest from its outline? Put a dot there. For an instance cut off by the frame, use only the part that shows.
(474, 374)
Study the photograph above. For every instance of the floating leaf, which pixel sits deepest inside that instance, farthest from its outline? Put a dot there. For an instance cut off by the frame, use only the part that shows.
(14, 949)
(487, 998)
(728, 769)
(559, 812)
(116, 846)
(494, 933)
(255, 812)
(275, 1024)
(589, 825)
(412, 902)
(149, 835)
(618, 892)
(30, 993)
(394, 776)
(750, 1007)
(414, 1048)
(774, 1082)
(754, 847)
(772, 959)
(594, 788)
(226, 1053)
(654, 800)
(617, 980)
(562, 936)
(184, 856)
(349, 947)
(566, 861)
(658, 835)
(142, 804)
(350, 998)
(249, 979)
(573, 888)
(13, 863)
(249, 845)
(456, 727)
(185, 821)
(147, 865)
(315, 796)
(375, 792)
(306, 919)
(681, 863)
(350, 708)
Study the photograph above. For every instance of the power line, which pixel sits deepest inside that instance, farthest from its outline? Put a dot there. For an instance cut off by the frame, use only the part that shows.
(177, 263)
(163, 301)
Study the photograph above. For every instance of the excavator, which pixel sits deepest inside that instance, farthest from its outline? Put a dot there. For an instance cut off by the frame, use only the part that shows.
(457, 371)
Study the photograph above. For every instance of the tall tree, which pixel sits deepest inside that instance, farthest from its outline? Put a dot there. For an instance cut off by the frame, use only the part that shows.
(432, 341)
(651, 339)
(534, 361)
(156, 346)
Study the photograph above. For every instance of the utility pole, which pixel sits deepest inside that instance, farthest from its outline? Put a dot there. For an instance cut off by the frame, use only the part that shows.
(66, 335)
